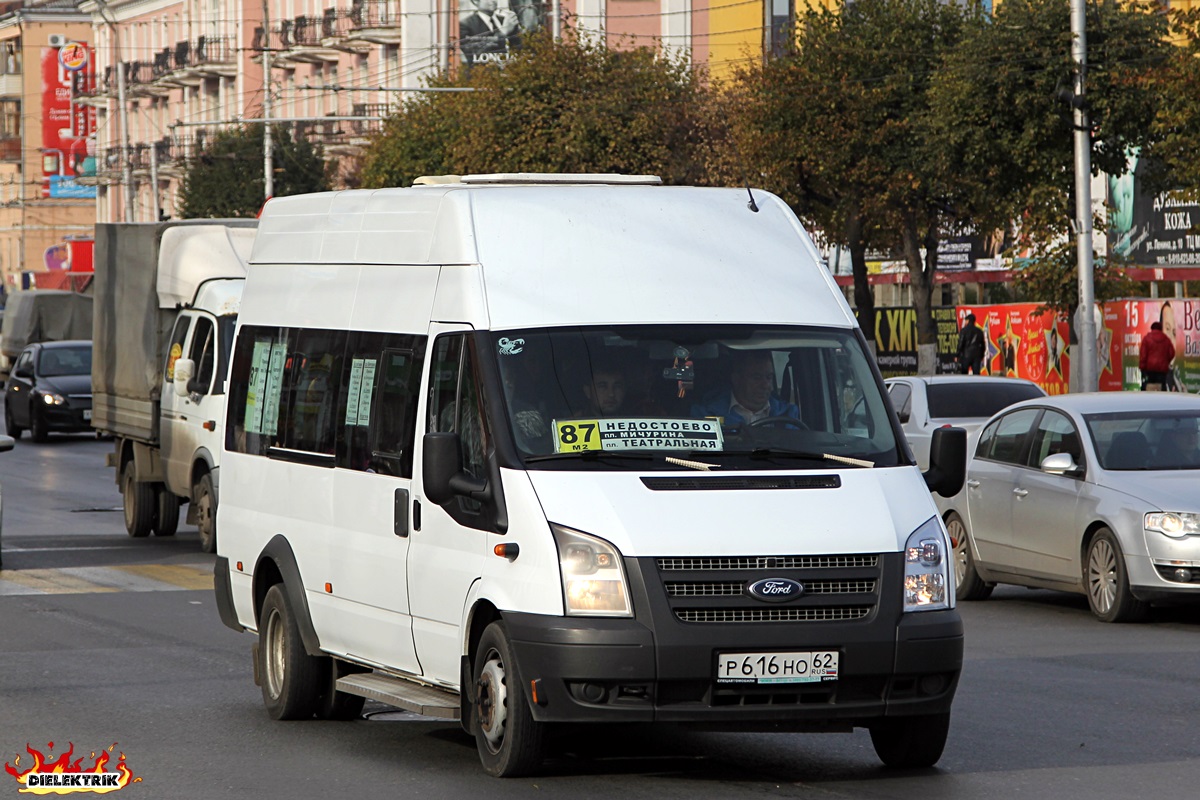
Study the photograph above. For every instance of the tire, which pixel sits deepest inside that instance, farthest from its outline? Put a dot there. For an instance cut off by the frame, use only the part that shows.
(10, 427)
(38, 431)
(166, 511)
(510, 741)
(206, 513)
(335, 705)
(291, 678)
(1107, 582)
(968, 584)
(911, 742)
(138, 498)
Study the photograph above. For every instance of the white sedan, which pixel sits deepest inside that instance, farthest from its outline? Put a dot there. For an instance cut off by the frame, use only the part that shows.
(1091, 493)
(926, 403)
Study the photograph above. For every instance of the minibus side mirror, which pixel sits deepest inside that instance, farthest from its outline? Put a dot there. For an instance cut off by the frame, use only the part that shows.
(442, 472)
(947, 461)
(184, 369)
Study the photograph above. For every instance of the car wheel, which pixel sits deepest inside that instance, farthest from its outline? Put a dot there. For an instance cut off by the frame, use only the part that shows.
(969, 586)
(1107, 582)
(138, 498)
(11, 427)
(38, 431)
(166, 511)
(291, 678)
(335, 705)
(910, 742)
(510, 741)
(206, 514)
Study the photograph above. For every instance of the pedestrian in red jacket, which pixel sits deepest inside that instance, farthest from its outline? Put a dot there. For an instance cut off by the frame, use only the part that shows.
(1155, 357)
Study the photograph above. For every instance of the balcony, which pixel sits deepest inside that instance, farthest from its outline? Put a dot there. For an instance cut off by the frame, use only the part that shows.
(10, 148)
(10, 85)
(375, 21)
(299, 40)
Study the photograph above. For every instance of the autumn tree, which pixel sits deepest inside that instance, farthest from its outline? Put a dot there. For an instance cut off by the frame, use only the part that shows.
(226, 178)
(555, 106)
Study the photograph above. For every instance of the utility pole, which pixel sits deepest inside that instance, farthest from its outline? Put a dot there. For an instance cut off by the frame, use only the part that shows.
(268, 165)
(1084, 367)
(122, 111)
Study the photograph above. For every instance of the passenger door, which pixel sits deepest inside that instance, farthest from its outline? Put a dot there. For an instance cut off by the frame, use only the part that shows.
(1045, 529)
(21, 388)
(991, 480)
(449, 547)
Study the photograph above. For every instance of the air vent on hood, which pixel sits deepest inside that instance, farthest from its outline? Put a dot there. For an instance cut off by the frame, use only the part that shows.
(715, 483)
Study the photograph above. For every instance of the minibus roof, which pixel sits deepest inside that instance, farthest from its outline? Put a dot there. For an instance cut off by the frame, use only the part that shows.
(575, 252)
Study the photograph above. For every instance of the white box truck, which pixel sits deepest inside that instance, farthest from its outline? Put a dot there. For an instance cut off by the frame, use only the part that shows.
(166, 303)
(531, 449)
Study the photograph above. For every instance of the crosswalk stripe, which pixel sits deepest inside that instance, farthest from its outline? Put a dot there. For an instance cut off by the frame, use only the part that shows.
(128, 578)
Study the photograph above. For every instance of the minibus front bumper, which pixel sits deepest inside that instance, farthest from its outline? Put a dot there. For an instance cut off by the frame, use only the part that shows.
(657, 668)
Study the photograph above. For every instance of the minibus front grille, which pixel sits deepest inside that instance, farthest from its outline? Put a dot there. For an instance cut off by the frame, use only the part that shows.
(767, 563)
(736, 589)
(800, 614)
(726, 589)
(725, 483)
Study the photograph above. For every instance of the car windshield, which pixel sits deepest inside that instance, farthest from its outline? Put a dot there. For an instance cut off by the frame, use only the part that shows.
(1146, 440)
(978, 398)
(55, 361)
(716, 396)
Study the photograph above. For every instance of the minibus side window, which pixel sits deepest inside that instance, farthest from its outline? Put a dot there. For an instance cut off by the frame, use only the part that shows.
(255, 389)
(456, 405)
(378, 409)
(312, 378)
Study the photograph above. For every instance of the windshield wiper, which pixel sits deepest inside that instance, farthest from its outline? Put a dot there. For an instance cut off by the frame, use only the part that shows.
(774, 452)
(589, 455)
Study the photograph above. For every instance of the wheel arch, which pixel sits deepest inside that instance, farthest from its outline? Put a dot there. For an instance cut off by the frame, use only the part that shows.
(203, 464)
(481, 614)
(277, 564)
(1086, 542)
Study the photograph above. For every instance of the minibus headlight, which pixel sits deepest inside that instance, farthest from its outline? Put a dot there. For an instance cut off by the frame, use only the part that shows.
(593, 578)
(927, 576)
(1175, 525)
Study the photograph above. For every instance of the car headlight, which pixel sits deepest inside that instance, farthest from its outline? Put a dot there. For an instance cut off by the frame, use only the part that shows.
(1173, 524)
(927, 574)
(593, 578)
(52, 399)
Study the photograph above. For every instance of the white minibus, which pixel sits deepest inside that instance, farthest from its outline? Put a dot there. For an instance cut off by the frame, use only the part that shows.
(523, 450)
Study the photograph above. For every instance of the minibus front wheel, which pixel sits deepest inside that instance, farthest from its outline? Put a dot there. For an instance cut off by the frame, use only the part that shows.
(911, 742)
(291, 678)
(510, 741)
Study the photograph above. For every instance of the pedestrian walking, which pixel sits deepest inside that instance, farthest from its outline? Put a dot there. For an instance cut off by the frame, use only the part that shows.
(1155, 355)
(970, 347)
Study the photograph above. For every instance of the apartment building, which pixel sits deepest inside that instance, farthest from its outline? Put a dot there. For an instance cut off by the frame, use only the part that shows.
(46, 216)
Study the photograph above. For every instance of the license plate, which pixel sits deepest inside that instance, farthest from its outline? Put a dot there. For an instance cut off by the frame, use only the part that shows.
(807, 667)
(87, 414)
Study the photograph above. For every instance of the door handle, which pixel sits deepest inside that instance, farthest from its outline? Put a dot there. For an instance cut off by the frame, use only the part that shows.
(400, 518)
(1020, 492)
(973, 484)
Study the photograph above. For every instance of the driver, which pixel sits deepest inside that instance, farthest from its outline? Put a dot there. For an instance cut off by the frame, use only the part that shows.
(749, 397)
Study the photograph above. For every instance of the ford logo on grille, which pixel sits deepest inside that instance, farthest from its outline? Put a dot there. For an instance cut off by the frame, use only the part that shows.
(775, 590)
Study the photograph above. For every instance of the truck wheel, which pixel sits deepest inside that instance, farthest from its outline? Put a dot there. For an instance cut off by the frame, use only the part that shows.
(139, 504)
(11, 427)
(38, 431)
(291, 678)
(335, 705)
(166, 511)
(911, 742)
(206, 513)
(510, 741)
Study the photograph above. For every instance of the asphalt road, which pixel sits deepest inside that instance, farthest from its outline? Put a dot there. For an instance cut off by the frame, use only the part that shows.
(107, 640)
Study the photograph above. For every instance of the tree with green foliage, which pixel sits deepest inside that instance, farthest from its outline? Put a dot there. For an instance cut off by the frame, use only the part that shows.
(555, 106)
(1003, 115)
(839, 128)
(1176, 127)
(226, 179)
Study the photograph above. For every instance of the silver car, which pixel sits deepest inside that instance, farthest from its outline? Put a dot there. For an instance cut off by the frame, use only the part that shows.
(926, 403)
(1091, 493)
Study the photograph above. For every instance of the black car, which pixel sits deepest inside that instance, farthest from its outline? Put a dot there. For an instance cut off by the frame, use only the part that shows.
(50, 389)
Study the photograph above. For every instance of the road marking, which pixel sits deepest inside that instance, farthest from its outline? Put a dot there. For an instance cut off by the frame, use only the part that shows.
(128, 578)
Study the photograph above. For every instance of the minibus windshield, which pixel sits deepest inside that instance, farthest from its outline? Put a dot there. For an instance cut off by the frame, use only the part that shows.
(719, 396)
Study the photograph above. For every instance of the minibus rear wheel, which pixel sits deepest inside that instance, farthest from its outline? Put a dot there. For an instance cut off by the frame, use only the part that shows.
(291, 678)
(910, 742)
(510, 741)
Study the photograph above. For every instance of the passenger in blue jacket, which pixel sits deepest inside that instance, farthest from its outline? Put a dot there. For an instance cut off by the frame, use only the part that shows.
(749, 397)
